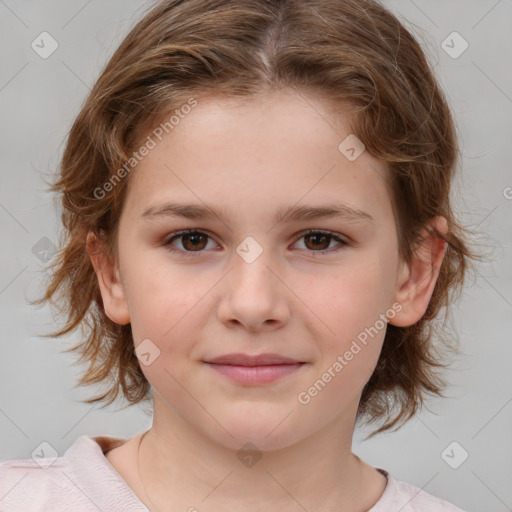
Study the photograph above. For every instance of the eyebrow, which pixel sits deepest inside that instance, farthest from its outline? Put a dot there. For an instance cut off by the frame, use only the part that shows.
(292, 213)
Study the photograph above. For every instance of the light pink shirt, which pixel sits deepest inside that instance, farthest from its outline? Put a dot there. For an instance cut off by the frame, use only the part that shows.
(82, 480)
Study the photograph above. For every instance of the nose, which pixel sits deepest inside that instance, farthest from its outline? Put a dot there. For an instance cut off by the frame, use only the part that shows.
(254, 295)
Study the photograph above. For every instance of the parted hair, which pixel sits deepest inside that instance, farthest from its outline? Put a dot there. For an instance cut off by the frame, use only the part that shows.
(353, 53)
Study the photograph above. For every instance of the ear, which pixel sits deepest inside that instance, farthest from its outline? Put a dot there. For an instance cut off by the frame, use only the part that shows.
(417, 280)
(111, 286)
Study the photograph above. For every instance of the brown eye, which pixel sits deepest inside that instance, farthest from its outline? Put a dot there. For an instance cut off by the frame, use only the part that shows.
(194, 241)
(318, 241)
(190, 242)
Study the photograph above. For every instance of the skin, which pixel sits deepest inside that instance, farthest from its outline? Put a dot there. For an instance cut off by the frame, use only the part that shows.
(253, 157)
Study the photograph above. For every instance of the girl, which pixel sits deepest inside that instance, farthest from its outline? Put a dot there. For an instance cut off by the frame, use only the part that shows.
(258, 238)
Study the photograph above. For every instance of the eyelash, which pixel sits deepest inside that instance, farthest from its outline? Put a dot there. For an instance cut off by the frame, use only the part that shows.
(178, 234)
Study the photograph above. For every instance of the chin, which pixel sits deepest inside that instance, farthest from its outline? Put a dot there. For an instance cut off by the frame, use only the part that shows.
(266, 434)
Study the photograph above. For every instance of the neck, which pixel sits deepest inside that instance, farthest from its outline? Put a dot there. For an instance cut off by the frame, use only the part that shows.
(180, 468)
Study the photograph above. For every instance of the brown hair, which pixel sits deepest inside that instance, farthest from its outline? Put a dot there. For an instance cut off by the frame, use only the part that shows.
(351, 52)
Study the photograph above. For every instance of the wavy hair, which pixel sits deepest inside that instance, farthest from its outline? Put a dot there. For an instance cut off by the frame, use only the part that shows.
(350, 52)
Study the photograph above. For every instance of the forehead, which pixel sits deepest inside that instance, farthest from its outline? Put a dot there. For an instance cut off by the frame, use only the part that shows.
(274, 149)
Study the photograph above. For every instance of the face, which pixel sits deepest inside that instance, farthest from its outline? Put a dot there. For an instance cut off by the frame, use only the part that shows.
(310, 288)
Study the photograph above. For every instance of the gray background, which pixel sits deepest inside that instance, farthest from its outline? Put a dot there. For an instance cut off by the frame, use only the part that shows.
(39, 99)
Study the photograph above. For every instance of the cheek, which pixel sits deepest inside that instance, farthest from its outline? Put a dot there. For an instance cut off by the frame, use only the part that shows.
(168, 304)
(352, 304)
(169, 312)
(162, 310)
(350, 300)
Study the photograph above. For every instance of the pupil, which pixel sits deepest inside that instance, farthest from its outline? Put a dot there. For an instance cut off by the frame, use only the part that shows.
(195, 239)
(321, 236)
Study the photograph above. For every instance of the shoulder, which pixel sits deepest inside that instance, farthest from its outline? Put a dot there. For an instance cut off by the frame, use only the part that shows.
(406, 497)
(419, 499)
(25, 483)
(80, 480)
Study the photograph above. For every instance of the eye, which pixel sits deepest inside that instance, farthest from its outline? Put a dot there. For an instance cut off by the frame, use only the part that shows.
(195, 241)
(191, 240)
(322, 240)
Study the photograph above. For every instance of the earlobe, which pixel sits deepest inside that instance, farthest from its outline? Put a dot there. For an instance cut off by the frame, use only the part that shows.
(418, 278)
(109, 281)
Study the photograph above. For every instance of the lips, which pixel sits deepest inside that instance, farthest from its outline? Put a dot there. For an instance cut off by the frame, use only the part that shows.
(240, 359)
